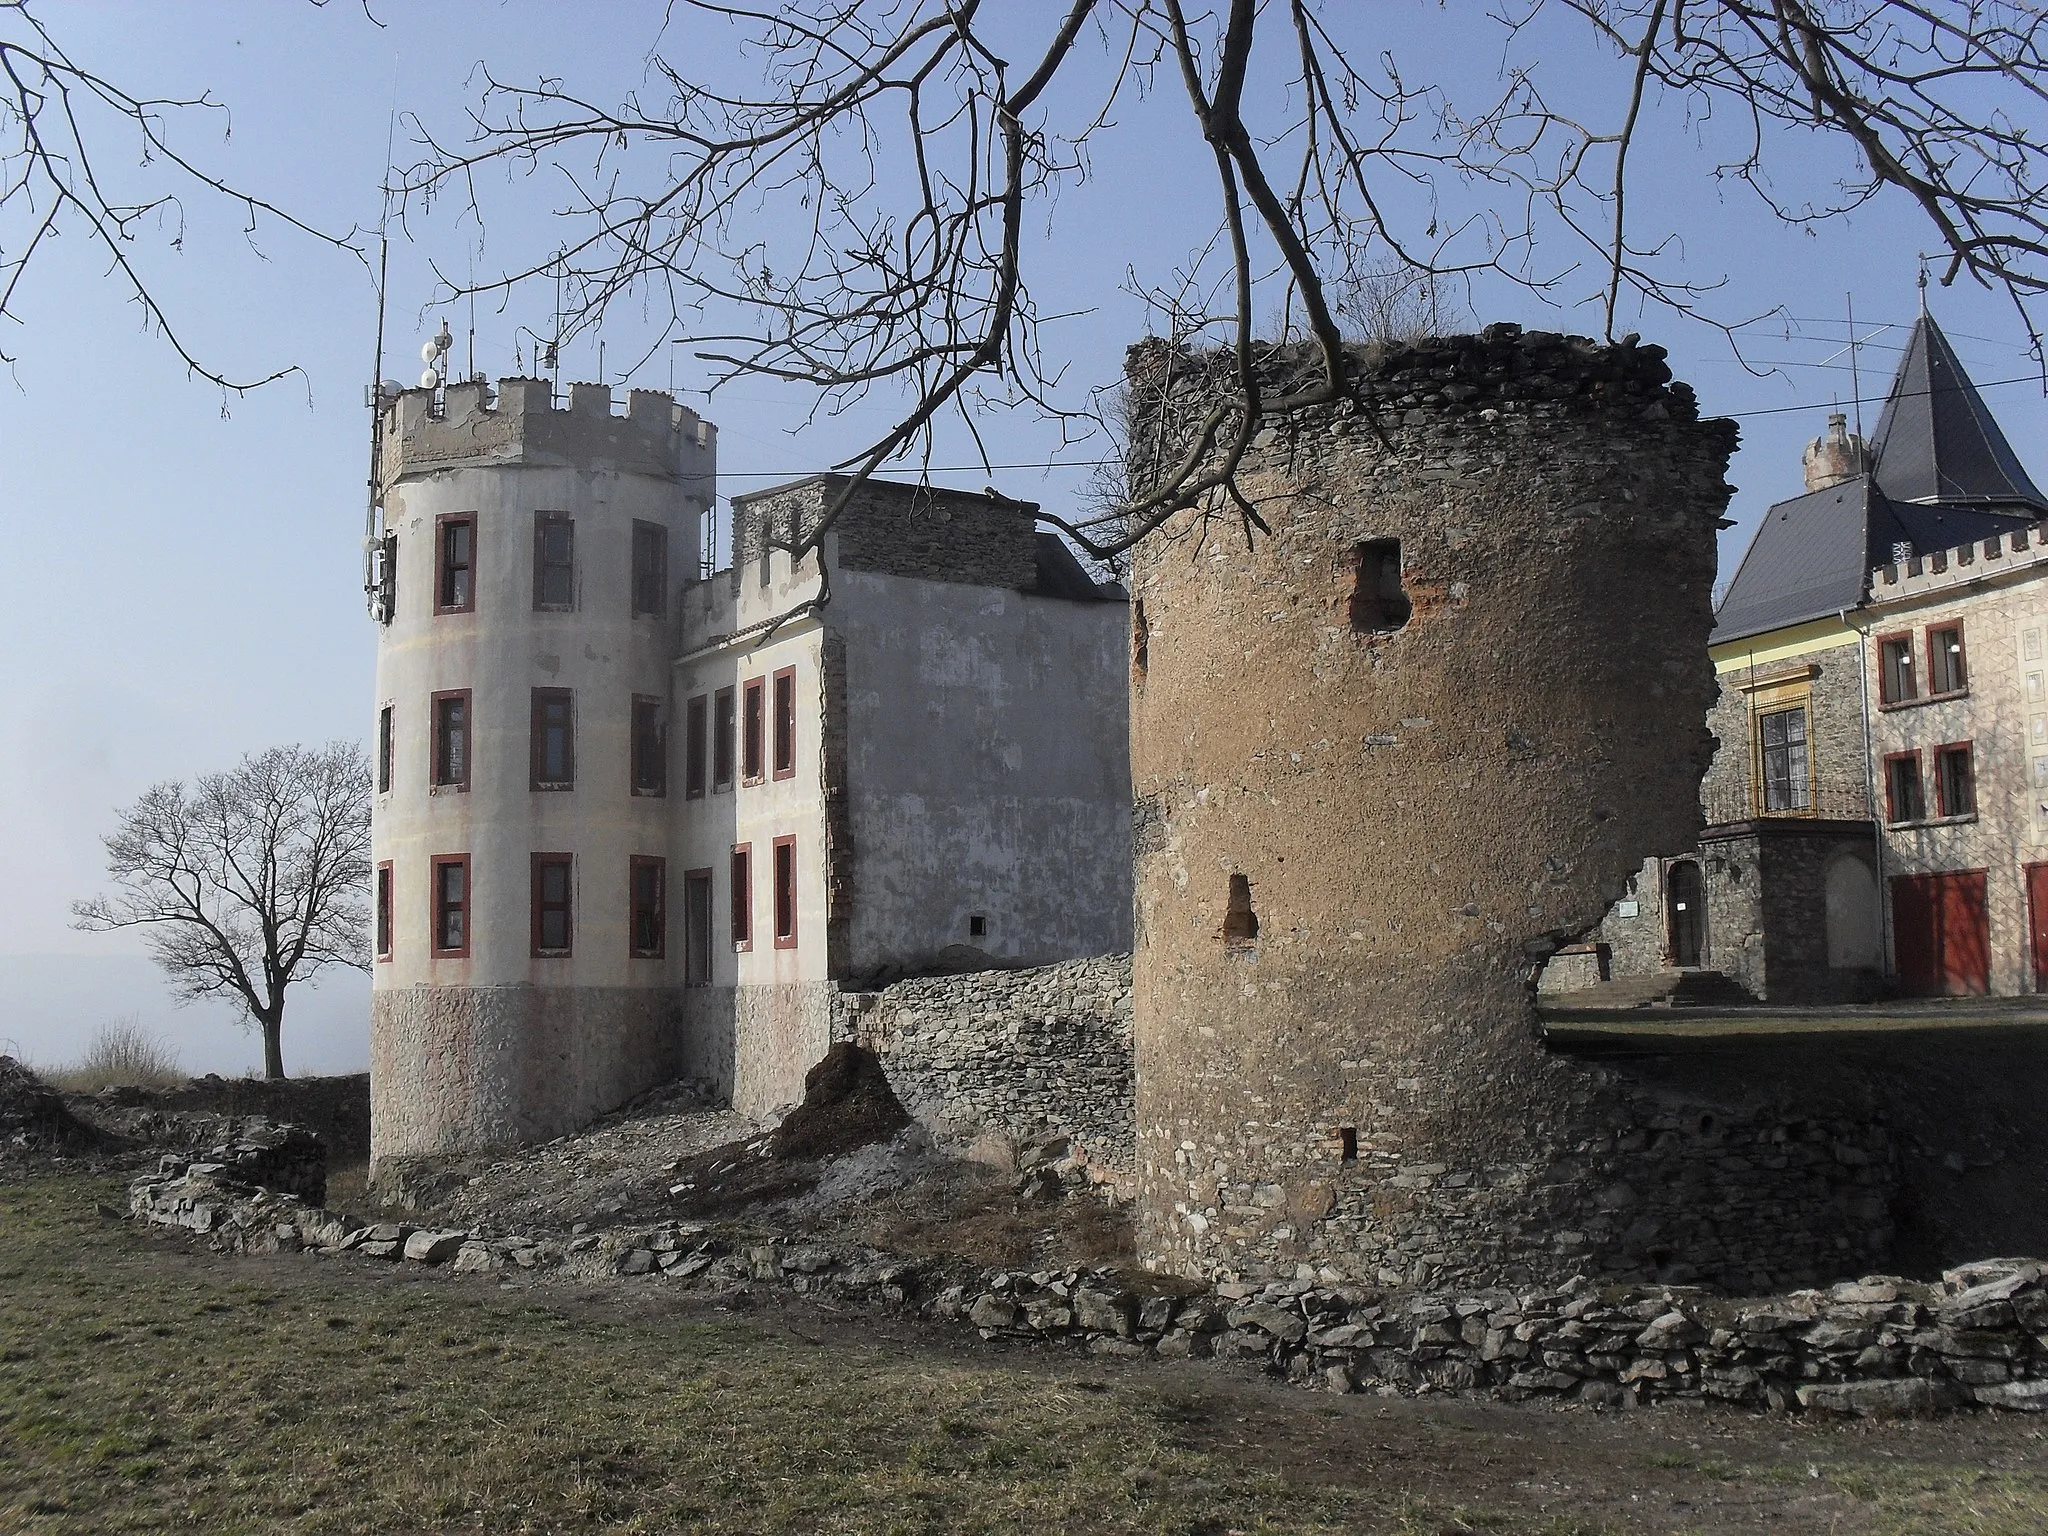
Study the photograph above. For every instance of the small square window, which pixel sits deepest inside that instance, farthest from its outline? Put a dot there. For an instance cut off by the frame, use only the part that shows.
(977, 925)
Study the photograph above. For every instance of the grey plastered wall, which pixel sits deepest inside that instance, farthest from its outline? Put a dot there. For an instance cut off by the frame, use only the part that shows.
(987, 772)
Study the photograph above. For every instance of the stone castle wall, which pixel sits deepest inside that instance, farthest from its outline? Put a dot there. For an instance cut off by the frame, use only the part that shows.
(1015, 1053)
(892, 529)
(1408, 744)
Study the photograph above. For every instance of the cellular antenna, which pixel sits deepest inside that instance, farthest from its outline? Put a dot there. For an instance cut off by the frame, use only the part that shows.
(376, 554)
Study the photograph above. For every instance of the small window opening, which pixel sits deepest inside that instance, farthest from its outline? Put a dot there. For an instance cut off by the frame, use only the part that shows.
(1347, 1143)
(977, 925)
(1240, 923)
(1141, 637)
(1378, 605)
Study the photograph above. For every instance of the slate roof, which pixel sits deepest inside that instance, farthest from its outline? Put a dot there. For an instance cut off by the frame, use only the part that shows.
(1937, 440)
(1944, 475)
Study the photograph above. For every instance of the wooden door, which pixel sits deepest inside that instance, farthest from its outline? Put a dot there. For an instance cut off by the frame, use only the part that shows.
(1685, 909)
(1941, 933)
(2037, 922)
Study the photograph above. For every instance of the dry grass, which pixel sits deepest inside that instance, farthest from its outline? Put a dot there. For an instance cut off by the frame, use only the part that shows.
(122, 1055)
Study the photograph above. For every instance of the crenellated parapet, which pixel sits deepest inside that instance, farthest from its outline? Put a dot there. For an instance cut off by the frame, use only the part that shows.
(470, 424)
(1961, 566)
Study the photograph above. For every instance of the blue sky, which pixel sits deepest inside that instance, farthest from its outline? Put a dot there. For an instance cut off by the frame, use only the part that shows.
(186, 569)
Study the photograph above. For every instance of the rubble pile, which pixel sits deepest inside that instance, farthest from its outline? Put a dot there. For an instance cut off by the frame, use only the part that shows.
(33, 1116)
(261, 1154)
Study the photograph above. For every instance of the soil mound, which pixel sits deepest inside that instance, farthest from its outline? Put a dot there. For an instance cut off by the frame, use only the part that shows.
(847, 1104)
(33, 1117)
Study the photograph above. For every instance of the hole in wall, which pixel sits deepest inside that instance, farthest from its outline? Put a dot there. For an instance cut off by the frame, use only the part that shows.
(1141, 635)
(977, 925)
(1240, 922)
(1347, 1143)
(1378, 604)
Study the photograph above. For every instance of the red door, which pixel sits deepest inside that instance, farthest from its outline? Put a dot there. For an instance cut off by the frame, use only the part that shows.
(1941, 933)
(2037, 922)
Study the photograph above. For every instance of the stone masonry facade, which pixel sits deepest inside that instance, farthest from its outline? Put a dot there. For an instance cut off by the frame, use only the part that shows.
(1015, 1053)
(924, 532)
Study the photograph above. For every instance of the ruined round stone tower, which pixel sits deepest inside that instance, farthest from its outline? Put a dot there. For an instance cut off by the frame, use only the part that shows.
(519, 827)
(1386, 760)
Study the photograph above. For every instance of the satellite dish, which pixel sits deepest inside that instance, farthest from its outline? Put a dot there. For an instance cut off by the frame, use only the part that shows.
(430, 379)
(429, 350)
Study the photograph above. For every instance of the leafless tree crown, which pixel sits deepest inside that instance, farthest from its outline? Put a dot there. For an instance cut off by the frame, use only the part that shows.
(247, 881)
(912, 136)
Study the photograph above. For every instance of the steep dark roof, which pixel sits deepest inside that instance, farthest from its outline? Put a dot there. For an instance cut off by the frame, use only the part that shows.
(1944, 475)
(1061, 575)
(1937, 440)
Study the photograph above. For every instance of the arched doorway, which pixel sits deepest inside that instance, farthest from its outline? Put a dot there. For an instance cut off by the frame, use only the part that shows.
(1685, 913)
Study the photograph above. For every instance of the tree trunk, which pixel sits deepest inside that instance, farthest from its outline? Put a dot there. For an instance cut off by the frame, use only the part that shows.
(273, 1044)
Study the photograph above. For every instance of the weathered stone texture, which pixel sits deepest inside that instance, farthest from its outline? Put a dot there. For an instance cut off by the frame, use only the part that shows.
(899, 530)
(1416, 811)
(1832, 682)
(456, 1068)
(753, 1044)
(1017, 1053)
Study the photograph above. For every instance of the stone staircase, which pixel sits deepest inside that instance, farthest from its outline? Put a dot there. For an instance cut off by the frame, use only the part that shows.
(1662, 989)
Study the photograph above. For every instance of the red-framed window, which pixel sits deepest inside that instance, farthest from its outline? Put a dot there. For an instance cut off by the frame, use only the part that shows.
(1897, 682)
(385, 749)
(450, 731)
(650, 745)
(554, 562)
(722, 744)
(552, 744)
(455, 562)
(743, 896)
(753, 730)
(1948, 669)
(383, 936)
(650, 570)
(647, 896)
(1905, 797)
(1955, 779)
(696, 745)
(553, 896)
(785, 893)
(450, 937)
(697, 928)
(785, 723)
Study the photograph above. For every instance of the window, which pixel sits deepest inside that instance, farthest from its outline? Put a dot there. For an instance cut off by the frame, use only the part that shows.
(751, 766)
(384, 911)
(650, 571)
(785, 723)
(451, 739)
(1904, 798)
(1946, 672)
(1781, 739)
(552, 745)
(551, 904)
(1955, 781)
(455, 563)
(977, 925)
(649, 922)
(554, 562)
(743, 896)
(451, 906)
(721, 739)
(697, 725)
(650, 746)
(697, 928)
(785, 893)
(1378, 605)
(1895, 681)
(384, 750)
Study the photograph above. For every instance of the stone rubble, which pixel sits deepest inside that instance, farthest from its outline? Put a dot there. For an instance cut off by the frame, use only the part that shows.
(1879, 1346)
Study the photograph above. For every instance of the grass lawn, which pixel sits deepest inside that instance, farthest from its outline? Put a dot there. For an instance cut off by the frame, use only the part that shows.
(145, 1387)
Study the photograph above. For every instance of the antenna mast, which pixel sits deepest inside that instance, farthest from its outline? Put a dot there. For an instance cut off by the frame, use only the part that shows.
(1855, 379)
(374, 552)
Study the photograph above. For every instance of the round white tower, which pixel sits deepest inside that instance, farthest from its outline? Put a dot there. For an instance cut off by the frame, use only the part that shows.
(520, 826)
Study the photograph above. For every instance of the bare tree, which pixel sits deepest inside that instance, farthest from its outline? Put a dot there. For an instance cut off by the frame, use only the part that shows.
(82, 154)
(249, 880)
(907, 148)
